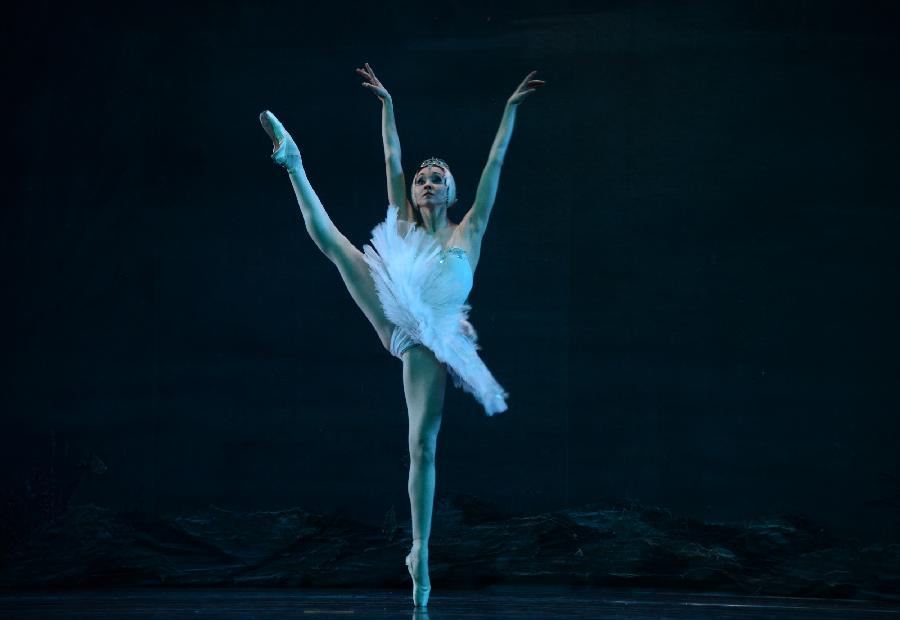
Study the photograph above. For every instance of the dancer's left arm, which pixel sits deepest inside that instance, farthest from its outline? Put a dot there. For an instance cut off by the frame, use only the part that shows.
(475, 221)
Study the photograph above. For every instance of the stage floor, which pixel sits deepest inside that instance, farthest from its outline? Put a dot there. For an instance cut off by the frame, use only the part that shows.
(519, 603)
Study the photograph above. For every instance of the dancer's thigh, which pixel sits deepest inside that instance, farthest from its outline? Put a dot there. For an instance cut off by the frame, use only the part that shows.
(358, 280)
(424, 383)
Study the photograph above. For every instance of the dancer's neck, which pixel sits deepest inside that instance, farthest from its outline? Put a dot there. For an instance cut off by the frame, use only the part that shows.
(434, 220)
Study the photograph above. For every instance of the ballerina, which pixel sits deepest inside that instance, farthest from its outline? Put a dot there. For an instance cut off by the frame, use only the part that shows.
(411, 284)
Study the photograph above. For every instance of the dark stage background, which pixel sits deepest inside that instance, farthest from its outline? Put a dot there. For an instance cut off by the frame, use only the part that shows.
(688, 286)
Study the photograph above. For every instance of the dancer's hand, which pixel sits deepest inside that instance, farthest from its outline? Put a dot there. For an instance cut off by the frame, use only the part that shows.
(372, 83)
(527, 87)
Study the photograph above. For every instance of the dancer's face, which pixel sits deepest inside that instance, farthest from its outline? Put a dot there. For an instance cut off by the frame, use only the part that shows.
(430, 187)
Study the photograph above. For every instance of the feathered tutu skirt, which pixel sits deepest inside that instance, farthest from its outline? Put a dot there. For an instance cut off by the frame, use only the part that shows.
(423, 289)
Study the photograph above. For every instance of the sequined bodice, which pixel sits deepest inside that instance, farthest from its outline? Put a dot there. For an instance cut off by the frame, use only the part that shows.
(456, 262)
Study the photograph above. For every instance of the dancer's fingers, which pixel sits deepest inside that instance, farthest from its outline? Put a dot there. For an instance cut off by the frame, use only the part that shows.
(372, 73)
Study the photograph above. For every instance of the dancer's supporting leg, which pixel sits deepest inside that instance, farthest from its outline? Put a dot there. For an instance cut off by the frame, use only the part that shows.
(424, 382)
(347, 258)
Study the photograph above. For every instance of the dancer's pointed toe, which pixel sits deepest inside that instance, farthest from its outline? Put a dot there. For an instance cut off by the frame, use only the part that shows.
(420, 592)
(272, 126)
(285, 152)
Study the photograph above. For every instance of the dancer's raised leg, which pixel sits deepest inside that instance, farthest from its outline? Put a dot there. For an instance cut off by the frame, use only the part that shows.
(345, 256)
(424, 382)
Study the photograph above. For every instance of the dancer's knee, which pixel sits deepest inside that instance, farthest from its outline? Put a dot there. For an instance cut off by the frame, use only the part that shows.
(326, 238)
(422, 449)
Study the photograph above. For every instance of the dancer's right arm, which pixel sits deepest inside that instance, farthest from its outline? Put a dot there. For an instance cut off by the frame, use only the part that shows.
(396, 183)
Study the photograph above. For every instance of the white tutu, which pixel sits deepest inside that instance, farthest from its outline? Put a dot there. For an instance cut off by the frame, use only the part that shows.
(423, 289)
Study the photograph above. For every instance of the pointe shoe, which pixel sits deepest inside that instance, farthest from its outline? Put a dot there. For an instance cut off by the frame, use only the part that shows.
(420, 592)
(285, 153)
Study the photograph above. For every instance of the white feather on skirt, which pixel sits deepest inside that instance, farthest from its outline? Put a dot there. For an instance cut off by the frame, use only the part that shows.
(423, 293)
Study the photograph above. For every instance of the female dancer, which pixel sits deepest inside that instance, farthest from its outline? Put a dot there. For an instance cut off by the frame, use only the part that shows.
(411, 284)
